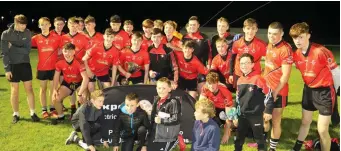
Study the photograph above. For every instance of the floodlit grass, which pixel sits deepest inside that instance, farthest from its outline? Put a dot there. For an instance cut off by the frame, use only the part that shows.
(30, 136)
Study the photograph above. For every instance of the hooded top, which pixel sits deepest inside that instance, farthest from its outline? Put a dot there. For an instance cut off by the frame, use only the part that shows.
(206, 136)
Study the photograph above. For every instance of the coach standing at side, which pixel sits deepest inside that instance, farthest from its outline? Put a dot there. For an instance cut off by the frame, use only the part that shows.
(16, 46)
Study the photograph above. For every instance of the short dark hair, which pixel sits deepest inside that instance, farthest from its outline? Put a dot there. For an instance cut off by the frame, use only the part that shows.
(156, 31)
(115, 19)
(248, 56)
(194, 18)
(21, 19)
(128, 22)
(69, 46)
(109, 31)
(165, 80)
(132, 97)
(59, 19)
(189, 44)
(137, 35)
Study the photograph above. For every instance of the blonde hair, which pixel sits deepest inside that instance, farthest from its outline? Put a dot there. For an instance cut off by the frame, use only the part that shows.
(96, 94)
(206, 106)
(42, 19)
(250, 22)
(212, 78)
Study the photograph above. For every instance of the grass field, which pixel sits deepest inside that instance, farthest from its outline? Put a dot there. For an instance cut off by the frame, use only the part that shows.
(42, 136)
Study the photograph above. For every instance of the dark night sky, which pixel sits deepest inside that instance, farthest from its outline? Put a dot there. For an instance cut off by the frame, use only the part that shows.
(323, 17)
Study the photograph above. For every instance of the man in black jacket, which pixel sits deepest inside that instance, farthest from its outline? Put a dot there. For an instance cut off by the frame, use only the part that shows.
(253, 98)
(132, 121)
(87, 120)
(16, 47)
(165, 118)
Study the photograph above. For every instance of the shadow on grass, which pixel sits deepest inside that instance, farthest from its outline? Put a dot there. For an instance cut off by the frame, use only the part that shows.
(3, 89)
(294, 103)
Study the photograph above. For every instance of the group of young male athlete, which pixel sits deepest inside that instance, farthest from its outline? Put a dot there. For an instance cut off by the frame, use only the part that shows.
(70, 64)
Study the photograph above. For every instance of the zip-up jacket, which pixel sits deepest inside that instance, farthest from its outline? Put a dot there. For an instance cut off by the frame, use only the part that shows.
(253, 95)
(169, 128)
(88, 117)
(20, 47)
(128, 124)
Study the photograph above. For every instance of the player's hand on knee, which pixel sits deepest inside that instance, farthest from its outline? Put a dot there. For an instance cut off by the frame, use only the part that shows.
(105, 144)
(267, 117)
(92, 148)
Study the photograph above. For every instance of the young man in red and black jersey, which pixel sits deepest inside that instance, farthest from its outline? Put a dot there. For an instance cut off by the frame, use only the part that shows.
(74, 77)
(320, 74)
(79, 40)
(249, 43)
(100, 59)
(202, 48)
(221, 62)
(128, 27)
(222, 28)
(122, 39)
(58, 23)
(162, 60)
(95, 37)
(189, 68)
(48, 46)
(222, 99)
(147, 26)
(277, 70)
(170, 40)
(134, 63)
(254, 103)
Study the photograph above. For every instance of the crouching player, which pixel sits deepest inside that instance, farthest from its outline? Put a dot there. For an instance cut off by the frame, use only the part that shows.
(73, 72)
(132, 121)
(87, 121)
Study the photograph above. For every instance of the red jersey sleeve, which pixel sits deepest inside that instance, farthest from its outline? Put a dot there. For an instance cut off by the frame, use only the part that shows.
(116, 58)
(58, 67)
(214, 65)
(286, 56)
(234, 47)
(81, 68)
(34, 41)
(262, 48)
(201, 68)
(261, 83)
(146, 59)
(327, 57)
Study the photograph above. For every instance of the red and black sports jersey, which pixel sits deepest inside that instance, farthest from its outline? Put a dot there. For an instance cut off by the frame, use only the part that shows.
(229, 38)
(80, 41)
(221, 99)
(315, 65)
(139, 58)
(47, 50)
(189, 69)
(102, 59)
(253, 94)
(222, 64)
(163, 61)
(97, 38)
(146, 43)
(71, 71)
(276, 56)
(256, 47)
(53, 32)
(122, 40)
(203, 48)
(174, 41)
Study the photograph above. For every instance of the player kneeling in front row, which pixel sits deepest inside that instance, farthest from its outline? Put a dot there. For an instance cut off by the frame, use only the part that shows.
(73, 72)
(132, 121)
(87, 121)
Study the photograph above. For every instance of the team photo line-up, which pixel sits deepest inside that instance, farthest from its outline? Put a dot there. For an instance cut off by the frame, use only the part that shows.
(208, 69)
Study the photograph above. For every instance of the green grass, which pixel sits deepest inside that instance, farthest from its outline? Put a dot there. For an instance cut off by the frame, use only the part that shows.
(26, 135)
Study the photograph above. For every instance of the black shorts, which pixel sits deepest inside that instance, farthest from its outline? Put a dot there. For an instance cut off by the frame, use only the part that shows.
(45, 75)
(322, 99)
(104, 78)
(201, 78)
(135, 80)
(72, 86)
(281, 102)
(21, 72)
(188, 85)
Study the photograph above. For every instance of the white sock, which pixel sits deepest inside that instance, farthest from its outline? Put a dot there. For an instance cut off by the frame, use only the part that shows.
(61, 115)
(83, 145)
(16, 113)
(32, 112)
